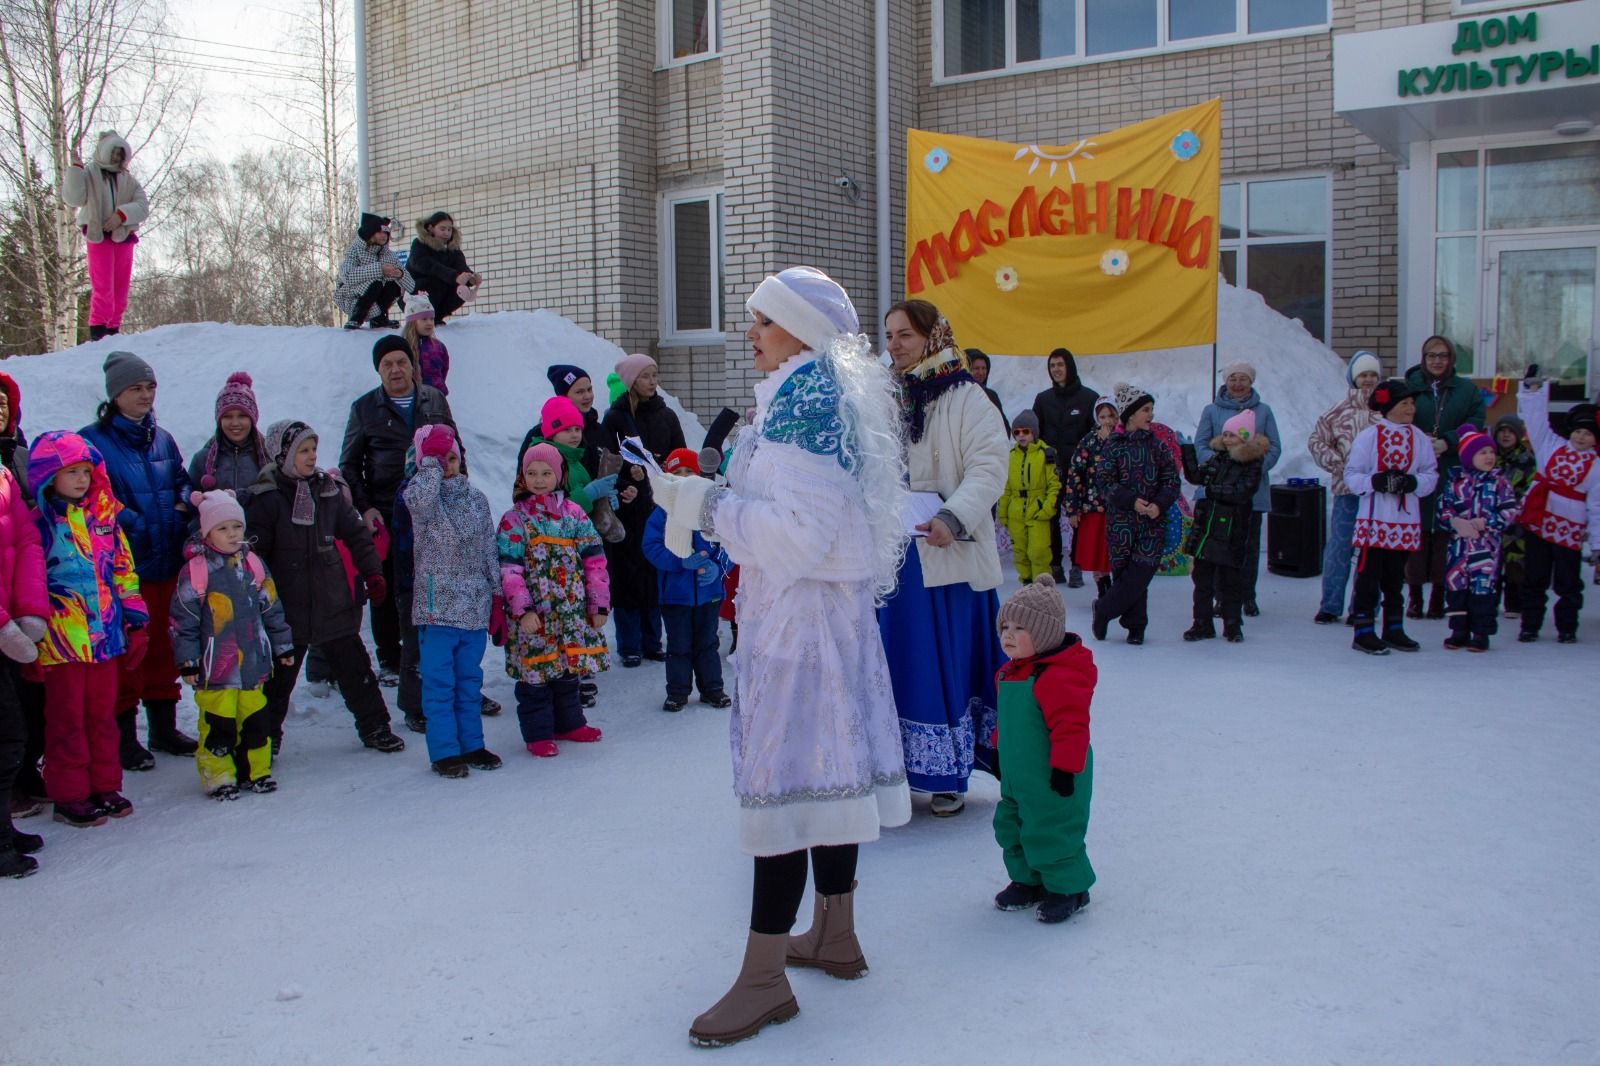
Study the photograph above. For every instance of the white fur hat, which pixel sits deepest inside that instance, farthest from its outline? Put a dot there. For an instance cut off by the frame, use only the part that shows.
(807, 303)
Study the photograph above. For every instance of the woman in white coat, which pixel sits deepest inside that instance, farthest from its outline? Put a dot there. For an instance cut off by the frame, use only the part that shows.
(111, 204)
(813, 515)
(939, 627)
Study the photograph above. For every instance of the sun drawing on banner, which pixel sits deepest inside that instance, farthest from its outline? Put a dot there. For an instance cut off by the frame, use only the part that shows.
(1005, 279)
(1055, 159)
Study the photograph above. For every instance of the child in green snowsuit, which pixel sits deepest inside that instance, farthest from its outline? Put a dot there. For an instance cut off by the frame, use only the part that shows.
(1046, 766)
(1028, 505)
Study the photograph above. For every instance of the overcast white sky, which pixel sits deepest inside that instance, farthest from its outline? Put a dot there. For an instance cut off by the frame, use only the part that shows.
(240, 49)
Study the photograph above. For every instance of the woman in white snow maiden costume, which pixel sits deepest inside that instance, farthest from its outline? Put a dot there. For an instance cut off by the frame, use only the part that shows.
(813, 516)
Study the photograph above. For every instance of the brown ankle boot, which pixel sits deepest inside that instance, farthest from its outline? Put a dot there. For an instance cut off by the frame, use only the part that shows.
(830, 944)
(760, 997)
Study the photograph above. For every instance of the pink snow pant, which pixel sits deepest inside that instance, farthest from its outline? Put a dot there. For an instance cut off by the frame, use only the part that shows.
(110, 267)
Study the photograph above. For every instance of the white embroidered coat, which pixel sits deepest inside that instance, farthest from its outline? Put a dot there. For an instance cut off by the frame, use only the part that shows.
(1385, 519)
(1564, 503)
(814, 733)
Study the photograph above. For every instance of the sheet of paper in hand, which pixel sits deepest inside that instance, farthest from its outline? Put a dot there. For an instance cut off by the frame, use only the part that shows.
(920, 509)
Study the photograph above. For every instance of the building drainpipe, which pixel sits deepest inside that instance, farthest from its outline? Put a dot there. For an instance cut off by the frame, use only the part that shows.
(885, 242)
(363, 178)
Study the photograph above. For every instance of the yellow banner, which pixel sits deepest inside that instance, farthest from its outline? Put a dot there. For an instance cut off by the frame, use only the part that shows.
(1107, 244)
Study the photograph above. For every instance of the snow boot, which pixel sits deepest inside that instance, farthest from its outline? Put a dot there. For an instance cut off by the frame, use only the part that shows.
(947, 804)
(113, 804)
(1059, 906)
(1018, 897)
(224, 793)
(130, 752)
(15, 864)
(388, 676)
(543, 749)
(1233, 632)
(26, 843)
(1567, 638)
(451, 766)
(482, 759)
(489, 708)
(1394, 635)
(1097, 625)
(25, 807)
(830, 944)
(1455, 641)
(416, 722)
(584, 734)
(1366, 640)
(1201, 630)
(1436, 602)
(1414, 602)
(164, 735)
(630, 662)
(1135, 637)
(760, 997)
(384, 740)
(80, 814)
(719, 700)
(1527, 636)
(383, 321)
(1251, 609)
(1075, 578)
(97, 333)
(1102, 584)
(656, 656)
(262, 785)
(673, 704)
(1478, 642)
(1325, 618)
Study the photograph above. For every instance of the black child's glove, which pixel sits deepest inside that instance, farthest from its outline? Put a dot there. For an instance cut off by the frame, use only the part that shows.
(1061, 782)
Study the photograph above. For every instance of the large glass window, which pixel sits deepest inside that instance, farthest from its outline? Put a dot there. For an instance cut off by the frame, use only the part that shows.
(1455, 296)
(691, 265)
(1275, 242)
(688, 29)
(1457, 192)
(984, 35)
(1542, 185)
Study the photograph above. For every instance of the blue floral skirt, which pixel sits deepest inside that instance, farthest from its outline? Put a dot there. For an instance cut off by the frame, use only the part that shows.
(943, 652)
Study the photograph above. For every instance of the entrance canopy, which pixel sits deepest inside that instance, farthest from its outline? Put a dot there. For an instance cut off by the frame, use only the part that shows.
(1506, 71)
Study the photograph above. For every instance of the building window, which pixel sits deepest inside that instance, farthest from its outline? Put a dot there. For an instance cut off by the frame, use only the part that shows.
(691, 266)
(1275, 242)
(688, 30)
(977, 36)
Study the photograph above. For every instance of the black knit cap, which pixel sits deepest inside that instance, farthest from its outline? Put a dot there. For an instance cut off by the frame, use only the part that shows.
(391, 342)
(370, 225)
(1389, 393)
(1583, 416)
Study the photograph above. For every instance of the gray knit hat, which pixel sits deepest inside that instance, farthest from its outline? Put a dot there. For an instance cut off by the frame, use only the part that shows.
(1039, 610)
(1027, 420)
(124, 370)
(283, 439)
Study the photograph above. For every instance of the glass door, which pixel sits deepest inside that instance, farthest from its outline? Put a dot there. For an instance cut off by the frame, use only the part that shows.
(1539, 307)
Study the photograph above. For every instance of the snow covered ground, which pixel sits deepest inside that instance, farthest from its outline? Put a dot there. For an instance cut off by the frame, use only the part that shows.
(1305, 855)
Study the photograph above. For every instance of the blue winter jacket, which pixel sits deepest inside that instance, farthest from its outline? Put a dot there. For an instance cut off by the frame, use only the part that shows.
(676, 581)
(1210, 427)
(149, 480)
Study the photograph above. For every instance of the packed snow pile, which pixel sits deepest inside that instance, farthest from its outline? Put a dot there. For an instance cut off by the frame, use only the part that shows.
(1297, 375)
(497, 380)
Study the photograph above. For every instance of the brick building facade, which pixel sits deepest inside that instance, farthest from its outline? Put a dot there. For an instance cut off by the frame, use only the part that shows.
(640, 167)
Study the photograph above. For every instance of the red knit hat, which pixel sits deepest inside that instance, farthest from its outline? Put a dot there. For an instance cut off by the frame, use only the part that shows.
(238, 395)
(558, 413)
(682, 459)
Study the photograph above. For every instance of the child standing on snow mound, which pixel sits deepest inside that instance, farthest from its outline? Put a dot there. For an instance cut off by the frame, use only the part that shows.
(227, 628)
(1391, 467)
(433, 358)
(1219, 538)
(301, 518)
(690, 592)
(1028, 505)
(1046, 766)
(456, 579)
(557, 596)
(1477, 505)
(1561, 512)
(96, 627)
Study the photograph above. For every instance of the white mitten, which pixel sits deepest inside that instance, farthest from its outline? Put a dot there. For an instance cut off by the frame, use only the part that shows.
(684, 518)
(16, 645)
(34, 626)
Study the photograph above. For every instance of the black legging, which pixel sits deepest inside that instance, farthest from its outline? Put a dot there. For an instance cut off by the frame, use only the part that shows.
(780, 884)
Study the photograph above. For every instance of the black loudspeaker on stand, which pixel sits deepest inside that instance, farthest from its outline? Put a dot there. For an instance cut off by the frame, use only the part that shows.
(1297, 528)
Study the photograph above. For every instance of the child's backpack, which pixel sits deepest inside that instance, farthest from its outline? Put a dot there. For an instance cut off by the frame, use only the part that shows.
(200, 573)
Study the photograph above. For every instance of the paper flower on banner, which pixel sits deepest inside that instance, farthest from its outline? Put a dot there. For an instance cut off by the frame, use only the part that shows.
(1114, 262)
(1005, 279)
(1186, 145)
(936, 160)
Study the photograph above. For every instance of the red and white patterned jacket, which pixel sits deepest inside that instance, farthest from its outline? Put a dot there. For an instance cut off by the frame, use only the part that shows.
(1564, 502)
(1386, 519)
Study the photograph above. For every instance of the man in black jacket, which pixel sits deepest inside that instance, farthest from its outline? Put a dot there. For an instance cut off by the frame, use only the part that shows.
(373, 460)
(1066, 413)
(978, 367)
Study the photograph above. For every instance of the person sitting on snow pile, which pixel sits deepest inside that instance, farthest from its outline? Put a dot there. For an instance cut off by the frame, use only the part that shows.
(1045, 763)
(370, 278)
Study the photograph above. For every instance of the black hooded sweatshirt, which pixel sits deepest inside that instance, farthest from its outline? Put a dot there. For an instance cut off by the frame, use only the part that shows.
(1066, 413)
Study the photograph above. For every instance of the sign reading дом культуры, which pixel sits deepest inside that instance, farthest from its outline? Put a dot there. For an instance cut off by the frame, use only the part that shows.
(1110, 238)
(1476, 37)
